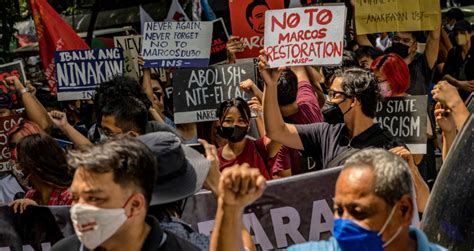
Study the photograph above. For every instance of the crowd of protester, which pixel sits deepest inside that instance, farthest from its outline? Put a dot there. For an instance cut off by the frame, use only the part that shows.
(128, 154)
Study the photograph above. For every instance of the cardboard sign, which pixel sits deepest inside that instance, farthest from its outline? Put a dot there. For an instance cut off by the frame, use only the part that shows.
(406, 118)
(79, 72)
(305, 36)
(248, 23)
(372, 16)
(279, 218)
(14, 68)
(198, 92)
(220, 37)
(6, 123)
(132, 46)
(177, 44)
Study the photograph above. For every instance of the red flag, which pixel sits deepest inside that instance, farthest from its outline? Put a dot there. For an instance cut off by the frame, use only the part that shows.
(54, 34)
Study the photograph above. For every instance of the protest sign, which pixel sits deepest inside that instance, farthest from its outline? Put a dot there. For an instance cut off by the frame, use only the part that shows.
(132, 46)
(14, 68)
(177, 44)
(220, 37)
(6, 123)
(279, 218)
(79, 72)
(305, 36)
(248, 22)
(198, 92)
(373, 16)
(406, 118)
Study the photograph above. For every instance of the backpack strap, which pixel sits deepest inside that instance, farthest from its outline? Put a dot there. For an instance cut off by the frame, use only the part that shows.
(342, 156)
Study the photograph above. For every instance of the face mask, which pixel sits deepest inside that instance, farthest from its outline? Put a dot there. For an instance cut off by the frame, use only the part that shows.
(102, 136)
(333, 114)
(22, 178)
(450, 27)
(400, 49)
(461, 39)
(233, 133)
(385, 89)
(351, 236)
(93, 225)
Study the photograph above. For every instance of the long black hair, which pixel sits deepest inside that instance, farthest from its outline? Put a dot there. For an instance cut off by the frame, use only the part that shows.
(238, 103)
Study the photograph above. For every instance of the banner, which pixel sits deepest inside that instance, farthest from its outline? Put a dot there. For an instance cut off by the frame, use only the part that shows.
(220, 37)
(176, 13)
(6, 123)
(198, 92)
(177, 44)
(406, 118)
(54, 34)
(305, 36)
(396, 15)
(248, 23)
(279, 218)
(80, 72)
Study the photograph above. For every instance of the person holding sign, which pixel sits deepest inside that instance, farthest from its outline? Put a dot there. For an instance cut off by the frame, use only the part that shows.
(234, 117)
(354, 94)
(373, 207)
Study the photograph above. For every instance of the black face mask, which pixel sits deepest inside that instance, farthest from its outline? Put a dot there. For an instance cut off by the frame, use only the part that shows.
(400, 49)
(233, 133)
(333, 114)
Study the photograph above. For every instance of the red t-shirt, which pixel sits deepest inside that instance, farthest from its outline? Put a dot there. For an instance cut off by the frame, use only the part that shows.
(308, 112)
(250, 155)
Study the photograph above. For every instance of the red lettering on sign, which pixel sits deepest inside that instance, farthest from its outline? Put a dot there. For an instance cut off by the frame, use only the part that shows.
(322, 17)
(291, 21)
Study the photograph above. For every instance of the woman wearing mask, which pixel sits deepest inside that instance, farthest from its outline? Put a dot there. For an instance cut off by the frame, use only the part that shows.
(234, 117)
(458, 69)
(392, 74)
(41, 167)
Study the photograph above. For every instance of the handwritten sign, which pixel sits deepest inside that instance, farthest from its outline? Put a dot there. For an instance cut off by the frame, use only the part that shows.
(305, 36)
(248, 23)
(177, 44)
(79, 72)
(374, 16)
(6, 123)
(220, 37)
(131, 46)
(198, 92)
(406, 118)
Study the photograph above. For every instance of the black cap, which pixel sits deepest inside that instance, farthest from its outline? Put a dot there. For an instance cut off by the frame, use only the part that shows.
(462, 25)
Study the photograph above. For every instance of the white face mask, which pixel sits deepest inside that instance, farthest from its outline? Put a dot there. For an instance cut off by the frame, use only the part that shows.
(93, 225)
(450, 27)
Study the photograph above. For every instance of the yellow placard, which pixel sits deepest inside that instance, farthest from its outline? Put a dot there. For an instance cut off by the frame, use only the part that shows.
(374, 16)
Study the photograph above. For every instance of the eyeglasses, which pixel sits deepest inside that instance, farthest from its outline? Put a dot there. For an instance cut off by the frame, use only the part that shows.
(332, 94)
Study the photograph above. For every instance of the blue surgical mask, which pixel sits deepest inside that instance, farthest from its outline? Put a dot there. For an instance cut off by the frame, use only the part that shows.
(351, 236)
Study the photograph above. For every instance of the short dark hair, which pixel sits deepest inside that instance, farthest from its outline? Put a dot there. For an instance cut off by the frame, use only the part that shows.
(287, 87)
(348, 60)
(118, 88)
(239, 103)
(129, 113)
(455, 13)
(131, 162)
(40, 154)
(251, 6)
(368, 51)
(361, 84)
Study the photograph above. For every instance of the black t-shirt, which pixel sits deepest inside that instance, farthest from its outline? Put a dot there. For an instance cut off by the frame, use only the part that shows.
(157, 240)
(459, 68)
(324, 141)
(420, 75)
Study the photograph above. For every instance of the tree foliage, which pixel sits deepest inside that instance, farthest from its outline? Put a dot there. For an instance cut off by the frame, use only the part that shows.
(9, 15)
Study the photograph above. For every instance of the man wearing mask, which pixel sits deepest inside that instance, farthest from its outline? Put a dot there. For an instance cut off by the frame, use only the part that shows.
(372, 208)
(353, 95)
(453, 16)
(458, 67)
(112, 189)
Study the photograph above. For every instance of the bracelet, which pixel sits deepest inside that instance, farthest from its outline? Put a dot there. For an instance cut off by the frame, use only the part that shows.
(23, 91)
